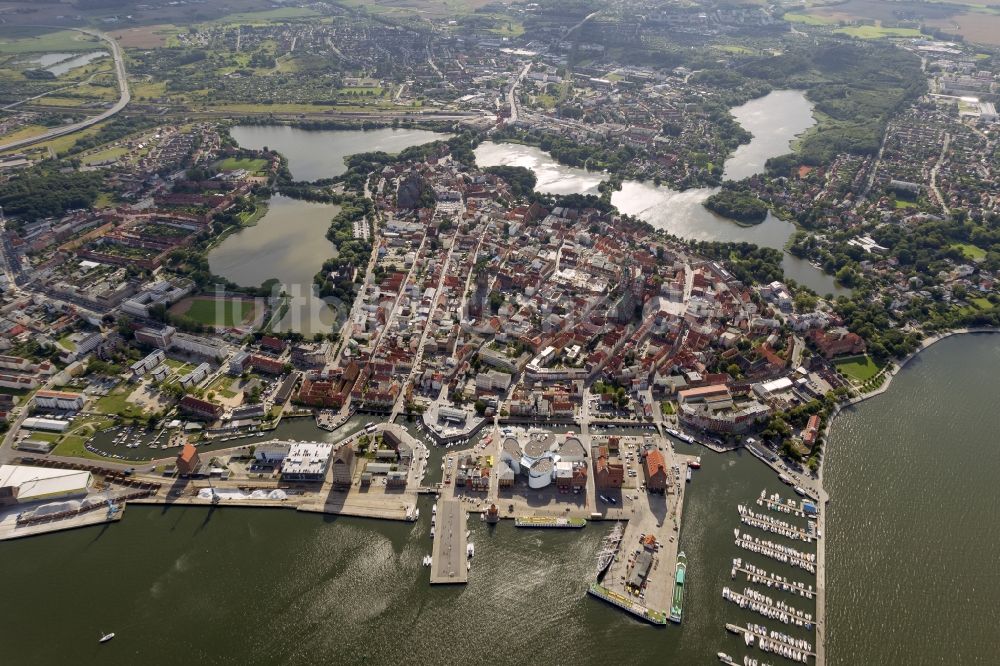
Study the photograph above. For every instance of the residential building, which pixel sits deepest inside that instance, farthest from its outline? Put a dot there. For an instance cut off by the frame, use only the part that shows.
(197, 408)
(59, 400)
(188, 460)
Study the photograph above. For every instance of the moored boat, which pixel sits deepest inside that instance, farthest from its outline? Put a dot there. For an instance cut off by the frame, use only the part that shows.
(677, 607)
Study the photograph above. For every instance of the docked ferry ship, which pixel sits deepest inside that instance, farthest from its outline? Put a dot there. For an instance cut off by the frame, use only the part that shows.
(677, 607)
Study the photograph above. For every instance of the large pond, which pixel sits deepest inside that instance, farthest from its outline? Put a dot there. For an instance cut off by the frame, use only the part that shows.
(289, 243)
(774, 120)
(316, 154)
(65, 66)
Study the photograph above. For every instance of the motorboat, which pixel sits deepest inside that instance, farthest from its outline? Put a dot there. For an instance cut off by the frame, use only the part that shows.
(106, 637)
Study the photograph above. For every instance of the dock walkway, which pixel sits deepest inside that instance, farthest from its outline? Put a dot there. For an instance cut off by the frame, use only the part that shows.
(759, 576)
(774, 642)
(765, 606)
(778, 552)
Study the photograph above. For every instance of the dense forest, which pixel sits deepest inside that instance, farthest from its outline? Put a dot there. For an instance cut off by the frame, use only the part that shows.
(737, 204)
(521, 181)
(41, 193)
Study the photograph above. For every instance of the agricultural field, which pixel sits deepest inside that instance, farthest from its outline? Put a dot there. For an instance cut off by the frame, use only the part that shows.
(980, 27)
(877, 32)
(428, 8)
(42, 40)
(977, 21)
(216, 312)
(807, 19)
(146, 37)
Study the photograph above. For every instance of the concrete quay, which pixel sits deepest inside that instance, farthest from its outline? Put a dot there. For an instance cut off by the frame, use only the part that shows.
(660, 516)
(448, 555)
(9, 529)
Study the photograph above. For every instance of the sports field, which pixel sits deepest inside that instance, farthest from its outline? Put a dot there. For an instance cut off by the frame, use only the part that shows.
(216, 312)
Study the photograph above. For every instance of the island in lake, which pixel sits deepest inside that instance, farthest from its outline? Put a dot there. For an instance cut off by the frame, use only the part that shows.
(740, 205)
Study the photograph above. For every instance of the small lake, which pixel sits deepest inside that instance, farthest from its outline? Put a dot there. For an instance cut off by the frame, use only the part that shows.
(552, 177)
(49, 59)
(64, 66)
(289, 243)
(775, 120)
(316, 154)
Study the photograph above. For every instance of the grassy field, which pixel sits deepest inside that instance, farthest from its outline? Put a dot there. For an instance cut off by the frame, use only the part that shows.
(981, 303)
(971, 252)
(807, 19)
(215, 312)
(63, 143)
(148, 89)
(112, 153)
(858, 368)
(734, 48)
(39, 40)
(250, 218)
(877, 32)
(116, 403)
(247, 164)
(267, 16)
(222, 386)
(25, 132)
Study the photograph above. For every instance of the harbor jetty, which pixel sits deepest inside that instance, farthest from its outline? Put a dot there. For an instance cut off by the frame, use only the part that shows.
(775, 551)
(775, 642)
(549, 522)
(775, 526)
(759, 576)
(448, 556)
(637, 609)
(767, 607)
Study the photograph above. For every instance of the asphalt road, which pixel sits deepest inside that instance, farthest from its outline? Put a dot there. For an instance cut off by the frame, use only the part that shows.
(123, 101)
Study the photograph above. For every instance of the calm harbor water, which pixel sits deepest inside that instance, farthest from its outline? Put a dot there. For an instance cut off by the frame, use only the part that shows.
(911, 571)
(247, 586)
(317, 154)
(289, 243)
(912, 557)
(774, 120)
